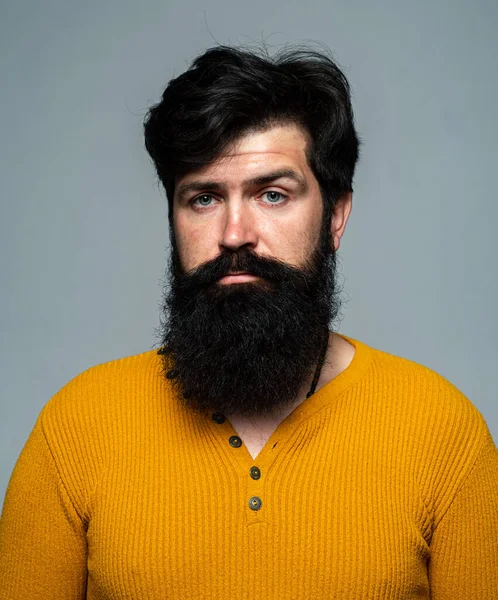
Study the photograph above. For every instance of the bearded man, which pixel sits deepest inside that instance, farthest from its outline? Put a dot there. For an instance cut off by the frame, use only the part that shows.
(258, 454)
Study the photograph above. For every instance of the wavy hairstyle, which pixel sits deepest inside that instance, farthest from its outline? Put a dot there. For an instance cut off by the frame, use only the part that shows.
(227, 92)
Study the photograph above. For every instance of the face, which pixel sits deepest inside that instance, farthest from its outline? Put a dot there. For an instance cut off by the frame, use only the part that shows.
(252, 277)
(262, 196)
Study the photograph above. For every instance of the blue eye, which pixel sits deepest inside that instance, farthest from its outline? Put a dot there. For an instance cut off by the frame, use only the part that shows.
(274, 197)
(203, 200)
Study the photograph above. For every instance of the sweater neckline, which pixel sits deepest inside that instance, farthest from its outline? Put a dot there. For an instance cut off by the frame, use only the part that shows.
(339, 384)
(323, 398)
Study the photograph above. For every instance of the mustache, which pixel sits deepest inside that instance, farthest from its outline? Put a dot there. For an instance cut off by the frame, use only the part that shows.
(243, 260)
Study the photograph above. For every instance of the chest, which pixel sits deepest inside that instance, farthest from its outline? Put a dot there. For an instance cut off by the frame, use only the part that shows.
(333, 521)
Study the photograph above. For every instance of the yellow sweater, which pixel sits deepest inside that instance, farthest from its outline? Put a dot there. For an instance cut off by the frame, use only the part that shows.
(383, 485)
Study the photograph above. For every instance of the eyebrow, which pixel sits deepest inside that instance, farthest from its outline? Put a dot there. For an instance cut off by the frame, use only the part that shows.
(265, 179)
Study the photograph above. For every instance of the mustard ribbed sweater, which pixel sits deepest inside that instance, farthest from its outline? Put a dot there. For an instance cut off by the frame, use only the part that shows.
(382, 485)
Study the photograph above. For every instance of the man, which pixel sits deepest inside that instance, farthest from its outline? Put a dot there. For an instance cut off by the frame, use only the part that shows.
(258, 454)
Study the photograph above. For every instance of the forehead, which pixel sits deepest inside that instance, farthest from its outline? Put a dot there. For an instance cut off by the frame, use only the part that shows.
(255, 151)
(281, 139)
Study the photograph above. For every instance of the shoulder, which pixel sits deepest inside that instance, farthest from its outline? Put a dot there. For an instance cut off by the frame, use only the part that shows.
(431, 416)
(440, 429)
(105, 393)
(87, 419)
(96, 414)
(420, 390)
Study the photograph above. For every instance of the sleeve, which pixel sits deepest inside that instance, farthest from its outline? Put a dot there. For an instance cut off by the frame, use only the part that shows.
(42, 536)
(464, 545)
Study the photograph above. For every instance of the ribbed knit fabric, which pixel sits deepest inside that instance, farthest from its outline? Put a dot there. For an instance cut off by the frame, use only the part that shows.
(383, 485)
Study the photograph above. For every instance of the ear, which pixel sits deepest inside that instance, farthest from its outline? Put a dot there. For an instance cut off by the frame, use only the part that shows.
(340, 215)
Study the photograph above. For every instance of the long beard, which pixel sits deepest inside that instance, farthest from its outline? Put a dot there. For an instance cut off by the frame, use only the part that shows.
(246, 348)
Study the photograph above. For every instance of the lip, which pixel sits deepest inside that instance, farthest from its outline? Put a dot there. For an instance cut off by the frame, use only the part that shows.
(237, 278)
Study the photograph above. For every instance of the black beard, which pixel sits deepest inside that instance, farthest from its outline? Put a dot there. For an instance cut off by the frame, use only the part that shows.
(246, 348)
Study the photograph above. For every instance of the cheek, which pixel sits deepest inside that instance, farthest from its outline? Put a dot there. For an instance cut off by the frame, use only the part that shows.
(307, 242)
(193, 243)
(292, 241)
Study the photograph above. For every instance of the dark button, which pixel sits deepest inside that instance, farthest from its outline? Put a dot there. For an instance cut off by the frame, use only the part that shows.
(255, 473)
(235, 441)
(218, 418)
(255, 503)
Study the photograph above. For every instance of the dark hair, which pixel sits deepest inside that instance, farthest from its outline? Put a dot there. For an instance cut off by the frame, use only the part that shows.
(227, 92)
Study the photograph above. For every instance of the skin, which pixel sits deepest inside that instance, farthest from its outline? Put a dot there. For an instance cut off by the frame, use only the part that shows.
(222, 206)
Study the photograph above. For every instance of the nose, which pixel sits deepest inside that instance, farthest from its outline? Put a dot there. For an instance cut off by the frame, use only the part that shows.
(238, 227)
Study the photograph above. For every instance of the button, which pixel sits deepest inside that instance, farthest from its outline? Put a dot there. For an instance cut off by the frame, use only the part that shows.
(235, 441)
(255, 473)
(218, 418)
(255, 503)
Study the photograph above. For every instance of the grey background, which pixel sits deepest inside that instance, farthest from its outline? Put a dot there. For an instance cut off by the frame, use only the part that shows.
(83, 225)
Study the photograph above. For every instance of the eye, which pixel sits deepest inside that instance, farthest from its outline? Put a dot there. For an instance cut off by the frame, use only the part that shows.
(203, 201)
(274, 197)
